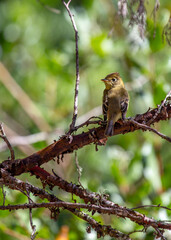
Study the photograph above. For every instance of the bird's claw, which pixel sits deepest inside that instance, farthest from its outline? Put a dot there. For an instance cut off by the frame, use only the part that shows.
(128, 118)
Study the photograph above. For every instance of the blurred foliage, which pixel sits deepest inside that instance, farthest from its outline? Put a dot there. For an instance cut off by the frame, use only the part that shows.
(38, 48)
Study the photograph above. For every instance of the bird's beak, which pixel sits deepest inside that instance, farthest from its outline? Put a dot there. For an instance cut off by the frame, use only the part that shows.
(103, 79)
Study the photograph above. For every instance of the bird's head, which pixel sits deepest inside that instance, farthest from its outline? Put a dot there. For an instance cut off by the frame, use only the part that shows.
(112, 80)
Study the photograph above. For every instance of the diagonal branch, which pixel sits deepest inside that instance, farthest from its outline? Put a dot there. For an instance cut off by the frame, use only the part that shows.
(55, 203)
(93, 135)
(145, 127)
(4, 137)
(104, 206)
(95, 199)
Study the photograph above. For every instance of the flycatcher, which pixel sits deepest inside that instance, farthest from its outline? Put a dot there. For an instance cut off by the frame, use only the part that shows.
(115, 101)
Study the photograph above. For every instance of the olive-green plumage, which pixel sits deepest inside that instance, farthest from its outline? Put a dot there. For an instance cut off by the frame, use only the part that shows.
(115, 101)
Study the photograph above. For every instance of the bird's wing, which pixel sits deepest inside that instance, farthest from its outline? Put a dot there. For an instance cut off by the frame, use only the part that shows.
(105, 106)
(124, 106)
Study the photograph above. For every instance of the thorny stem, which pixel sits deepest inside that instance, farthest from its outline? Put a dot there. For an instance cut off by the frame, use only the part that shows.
(74, 117)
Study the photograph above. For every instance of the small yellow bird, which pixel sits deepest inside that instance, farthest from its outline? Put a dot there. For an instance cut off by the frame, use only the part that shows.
(115, 101)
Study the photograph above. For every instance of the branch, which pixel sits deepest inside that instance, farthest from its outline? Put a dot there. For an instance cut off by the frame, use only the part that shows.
(93, 135)
(105, 210)
(145, 127)
(164, 102)
(150, 206)
(96, 200)
(33, 227)
(30, 139)
(4, 137)
(101, 230)
(74, 118)
(79, 169)
(4, 195)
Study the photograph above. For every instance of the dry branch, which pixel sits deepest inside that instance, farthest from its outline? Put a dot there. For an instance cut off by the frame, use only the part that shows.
(97, 200)
(94, 135)
(74, 117)
(17, 184)
(97, 203)
(4, 137)
(105, 210)
(93, 202)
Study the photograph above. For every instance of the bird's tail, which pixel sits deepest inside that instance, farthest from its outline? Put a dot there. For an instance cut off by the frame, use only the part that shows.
(109, 128)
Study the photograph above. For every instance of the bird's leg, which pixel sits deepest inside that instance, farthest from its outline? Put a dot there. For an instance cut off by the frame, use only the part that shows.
(124, 120)
(128, 118)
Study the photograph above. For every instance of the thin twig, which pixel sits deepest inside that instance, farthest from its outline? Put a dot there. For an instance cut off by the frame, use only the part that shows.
(88, 122)
(33, 227)
(18, 140)
(159, 234)
(147, 206)
(74, 118)
(4, 137)
(138, 231)
(4, 195)
(145, 127)
(159, 108)
(79, 169)
(26, 194)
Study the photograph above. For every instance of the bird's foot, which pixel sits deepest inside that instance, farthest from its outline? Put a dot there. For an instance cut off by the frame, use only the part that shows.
(128, 118)
(125, 120)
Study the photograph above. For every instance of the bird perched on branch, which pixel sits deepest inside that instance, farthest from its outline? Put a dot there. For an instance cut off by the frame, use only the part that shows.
(115, 101)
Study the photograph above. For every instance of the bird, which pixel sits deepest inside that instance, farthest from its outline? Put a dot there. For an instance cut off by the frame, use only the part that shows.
(115, 101)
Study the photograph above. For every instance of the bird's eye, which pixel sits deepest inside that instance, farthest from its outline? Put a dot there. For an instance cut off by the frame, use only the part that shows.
(114, 79)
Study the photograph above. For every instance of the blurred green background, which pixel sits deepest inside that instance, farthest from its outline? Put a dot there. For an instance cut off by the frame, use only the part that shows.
(38, 49)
